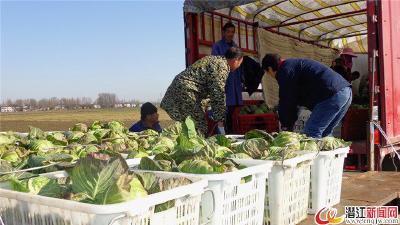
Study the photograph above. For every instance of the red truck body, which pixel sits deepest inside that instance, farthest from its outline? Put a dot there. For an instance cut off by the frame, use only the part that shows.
(383, 60)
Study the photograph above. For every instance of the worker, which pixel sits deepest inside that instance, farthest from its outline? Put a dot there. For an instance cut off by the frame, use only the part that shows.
(308, 83)
(347, 55)
(205, 79)
(343, 65)
(148, 119)
(233, 86)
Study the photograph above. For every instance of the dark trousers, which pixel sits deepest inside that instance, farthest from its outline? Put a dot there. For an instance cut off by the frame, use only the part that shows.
(228, 121)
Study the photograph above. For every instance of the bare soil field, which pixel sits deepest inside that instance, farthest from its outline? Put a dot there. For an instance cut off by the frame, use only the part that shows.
(65, 119)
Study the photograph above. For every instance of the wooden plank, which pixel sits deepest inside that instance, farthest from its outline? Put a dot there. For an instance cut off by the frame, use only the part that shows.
(366, 189)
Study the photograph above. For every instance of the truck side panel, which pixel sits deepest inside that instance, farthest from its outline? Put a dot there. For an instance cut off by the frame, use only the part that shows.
(389, 61)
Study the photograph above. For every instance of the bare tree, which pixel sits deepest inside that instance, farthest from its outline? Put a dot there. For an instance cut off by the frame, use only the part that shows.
(106, 100)
(43, 103)
(9, 102)
(33, 104)
(53, 102)
(19, 103)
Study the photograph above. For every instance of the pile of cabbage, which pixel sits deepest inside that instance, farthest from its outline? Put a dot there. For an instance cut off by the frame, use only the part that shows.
(283, 145)
(99, 179)
(52, 151)
(179, 148)
(194, 154)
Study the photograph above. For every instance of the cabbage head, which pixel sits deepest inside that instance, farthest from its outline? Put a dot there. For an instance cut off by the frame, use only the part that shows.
(80, 127)
(258, 134)
(95, 125)
(7, 139)
(57, 138)
(40, 145)
(116, 126)
(254, 148)
(309, 145)
(287, 139)
(196, 166)
(332, 143)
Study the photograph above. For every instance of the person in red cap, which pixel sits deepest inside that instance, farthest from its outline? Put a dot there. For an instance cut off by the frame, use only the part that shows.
(344, 64)
(347, 55)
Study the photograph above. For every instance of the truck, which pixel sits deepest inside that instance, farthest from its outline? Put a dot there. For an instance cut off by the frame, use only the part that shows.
(370, 26)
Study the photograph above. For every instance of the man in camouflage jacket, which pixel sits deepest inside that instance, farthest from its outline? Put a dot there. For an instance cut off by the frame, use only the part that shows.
(205, 79)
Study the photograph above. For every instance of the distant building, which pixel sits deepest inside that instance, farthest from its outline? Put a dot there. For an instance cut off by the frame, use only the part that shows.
(119, 105)
(129, 105)
(59, 107)
(97, 106)
(8, 109)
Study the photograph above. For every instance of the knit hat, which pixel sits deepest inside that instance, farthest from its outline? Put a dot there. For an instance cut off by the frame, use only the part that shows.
(147, 109)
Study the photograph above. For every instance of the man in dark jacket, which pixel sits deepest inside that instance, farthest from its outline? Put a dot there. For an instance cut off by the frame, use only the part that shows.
(305, 82)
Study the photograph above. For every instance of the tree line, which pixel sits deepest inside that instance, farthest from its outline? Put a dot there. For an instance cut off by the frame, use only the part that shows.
(104, 100)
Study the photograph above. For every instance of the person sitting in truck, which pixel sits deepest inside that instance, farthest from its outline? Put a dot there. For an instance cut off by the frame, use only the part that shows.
(308, 83)
(233, 86)
(204, 79)
(148, 119)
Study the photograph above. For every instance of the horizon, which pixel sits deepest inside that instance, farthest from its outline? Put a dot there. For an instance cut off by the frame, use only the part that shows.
(79, 49)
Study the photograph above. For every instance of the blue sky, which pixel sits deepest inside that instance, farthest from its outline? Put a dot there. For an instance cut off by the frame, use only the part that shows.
(82, 48)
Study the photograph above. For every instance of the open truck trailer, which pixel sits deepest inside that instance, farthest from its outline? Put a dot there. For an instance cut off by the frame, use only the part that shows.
(367, 26)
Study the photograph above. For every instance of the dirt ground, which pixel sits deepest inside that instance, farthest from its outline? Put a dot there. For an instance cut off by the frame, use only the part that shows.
(65, 119)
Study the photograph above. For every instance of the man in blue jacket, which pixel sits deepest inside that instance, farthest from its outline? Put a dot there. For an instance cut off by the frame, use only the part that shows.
(305, 82)
(233, 87)
(148, 119)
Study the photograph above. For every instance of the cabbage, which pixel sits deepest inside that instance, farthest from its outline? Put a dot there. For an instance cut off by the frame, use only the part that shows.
(73, 136)
(95, 125)
(7, 139)
(88, 138)
(57, 138)
(255, 147)
(279, 153)
(39, 186)
(101, 133)
(95, 177)
(35, 133)
(309, 145)
(172, 131)
(331, 143)
(126, 188)
(163, 145)
(155, 165)
(220, 140)
(116, 126)
(40, 145)
(258, 134)
(289, 140)
(80, 127)
(10, 156)
(196, 166)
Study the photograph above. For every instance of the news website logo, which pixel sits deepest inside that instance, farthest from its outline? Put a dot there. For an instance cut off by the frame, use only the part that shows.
(328, 217)
(372, 215)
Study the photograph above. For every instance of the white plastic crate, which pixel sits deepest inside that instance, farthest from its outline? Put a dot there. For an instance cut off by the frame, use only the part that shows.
(288, 186)
(17, 208)
(234, 202)
(326, 179)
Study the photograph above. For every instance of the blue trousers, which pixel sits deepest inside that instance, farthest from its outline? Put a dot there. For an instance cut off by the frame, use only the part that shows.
(327, 114)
